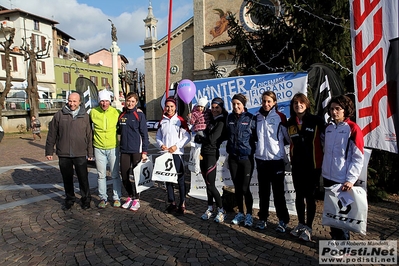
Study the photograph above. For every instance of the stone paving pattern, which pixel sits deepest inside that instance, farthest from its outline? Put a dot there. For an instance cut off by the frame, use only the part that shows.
(42, 233)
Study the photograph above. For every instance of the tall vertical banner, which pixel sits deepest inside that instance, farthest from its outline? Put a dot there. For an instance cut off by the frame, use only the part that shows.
(375, 46)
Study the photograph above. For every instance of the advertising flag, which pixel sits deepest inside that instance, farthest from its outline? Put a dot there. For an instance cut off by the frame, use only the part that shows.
(374, 33)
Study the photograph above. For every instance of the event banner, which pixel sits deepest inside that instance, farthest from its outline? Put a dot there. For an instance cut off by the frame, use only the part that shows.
(285, 85)
(374, 32)
(223, 178)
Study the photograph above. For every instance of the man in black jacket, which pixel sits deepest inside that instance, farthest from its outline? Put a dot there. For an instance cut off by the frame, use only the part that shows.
(70, 131)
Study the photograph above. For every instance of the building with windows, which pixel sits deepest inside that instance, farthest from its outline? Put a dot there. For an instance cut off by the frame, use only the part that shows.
(56, 73)
(96, 66)
(28, 28)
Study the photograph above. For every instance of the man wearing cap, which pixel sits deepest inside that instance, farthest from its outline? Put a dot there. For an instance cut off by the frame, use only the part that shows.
(70, 131)
(106, 149)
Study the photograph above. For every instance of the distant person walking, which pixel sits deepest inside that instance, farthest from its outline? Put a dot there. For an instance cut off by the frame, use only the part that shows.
(106, 150)
(70, 131)
(35, 127)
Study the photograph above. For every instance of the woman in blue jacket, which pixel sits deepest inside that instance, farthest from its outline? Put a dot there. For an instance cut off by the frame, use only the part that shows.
(133, 146)
(241, 132)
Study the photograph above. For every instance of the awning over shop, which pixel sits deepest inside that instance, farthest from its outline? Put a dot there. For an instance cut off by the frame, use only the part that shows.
(16, 85)
(47, 87)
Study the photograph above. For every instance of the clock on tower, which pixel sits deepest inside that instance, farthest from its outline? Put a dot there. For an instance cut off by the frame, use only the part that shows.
(249, 21)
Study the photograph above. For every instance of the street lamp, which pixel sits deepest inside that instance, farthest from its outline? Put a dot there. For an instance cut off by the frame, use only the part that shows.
(70, 77)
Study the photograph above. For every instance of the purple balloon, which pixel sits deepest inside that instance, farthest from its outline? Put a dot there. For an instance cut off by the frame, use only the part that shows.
(186, 90)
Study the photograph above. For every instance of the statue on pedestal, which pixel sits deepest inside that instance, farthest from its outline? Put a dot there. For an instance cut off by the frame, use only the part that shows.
(113, 31)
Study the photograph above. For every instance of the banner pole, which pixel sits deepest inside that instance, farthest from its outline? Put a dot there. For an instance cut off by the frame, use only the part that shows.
(168, 53)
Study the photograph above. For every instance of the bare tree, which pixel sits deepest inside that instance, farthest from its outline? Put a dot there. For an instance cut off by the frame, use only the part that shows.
(9, 40)
(33, 53)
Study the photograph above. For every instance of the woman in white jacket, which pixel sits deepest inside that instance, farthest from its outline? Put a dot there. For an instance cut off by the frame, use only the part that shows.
(343, 151)
(270, 154)
(172, 135)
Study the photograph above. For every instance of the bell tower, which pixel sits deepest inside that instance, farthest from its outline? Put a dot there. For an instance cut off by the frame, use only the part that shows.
(150, 27)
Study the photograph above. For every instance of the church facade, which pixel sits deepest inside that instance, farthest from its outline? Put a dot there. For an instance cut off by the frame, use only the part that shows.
(195, 45)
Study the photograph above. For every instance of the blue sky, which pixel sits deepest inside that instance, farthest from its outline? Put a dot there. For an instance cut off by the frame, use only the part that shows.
(87, 21)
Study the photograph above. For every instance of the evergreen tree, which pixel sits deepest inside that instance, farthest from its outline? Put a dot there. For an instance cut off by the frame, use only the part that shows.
(301, 33)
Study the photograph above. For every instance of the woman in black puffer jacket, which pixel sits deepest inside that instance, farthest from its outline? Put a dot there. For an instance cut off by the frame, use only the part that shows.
(215, 133)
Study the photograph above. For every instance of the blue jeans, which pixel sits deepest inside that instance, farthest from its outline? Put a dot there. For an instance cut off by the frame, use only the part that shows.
(110, 157)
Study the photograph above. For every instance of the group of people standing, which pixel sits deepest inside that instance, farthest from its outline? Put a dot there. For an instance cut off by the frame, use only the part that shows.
(334, 151)
(80, 137)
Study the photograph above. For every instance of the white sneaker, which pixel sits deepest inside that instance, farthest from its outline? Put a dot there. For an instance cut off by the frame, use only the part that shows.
(207, 215)
(135, 205)
(127, 204)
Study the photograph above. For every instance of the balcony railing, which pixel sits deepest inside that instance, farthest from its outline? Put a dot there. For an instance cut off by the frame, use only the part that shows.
(19, 104)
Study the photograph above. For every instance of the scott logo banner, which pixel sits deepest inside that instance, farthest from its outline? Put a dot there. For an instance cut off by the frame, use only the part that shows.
(353, 217)
(142, 175)
(164, 169)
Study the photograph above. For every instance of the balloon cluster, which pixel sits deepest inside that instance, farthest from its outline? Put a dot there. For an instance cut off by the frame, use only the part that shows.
(186, 90)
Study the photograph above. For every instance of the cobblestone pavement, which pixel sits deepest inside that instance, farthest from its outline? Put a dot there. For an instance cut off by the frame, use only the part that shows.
(35, 230)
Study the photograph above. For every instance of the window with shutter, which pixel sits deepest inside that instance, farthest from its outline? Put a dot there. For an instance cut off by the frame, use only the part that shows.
(14, 63)
(3, 62)
(104, 81)
(43, 67)
(94, 79)
(66, 78)
(43, 43)
(36, 25)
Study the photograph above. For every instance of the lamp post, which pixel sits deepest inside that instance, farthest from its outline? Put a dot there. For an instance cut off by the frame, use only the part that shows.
(70, 77)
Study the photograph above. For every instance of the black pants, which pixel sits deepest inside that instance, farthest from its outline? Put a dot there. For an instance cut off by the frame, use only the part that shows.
(128, 161)
(336, 233)
(67, 165)
(272, 173)
(180, 182)
(208, 169)
(241, 175)
(305, 183)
